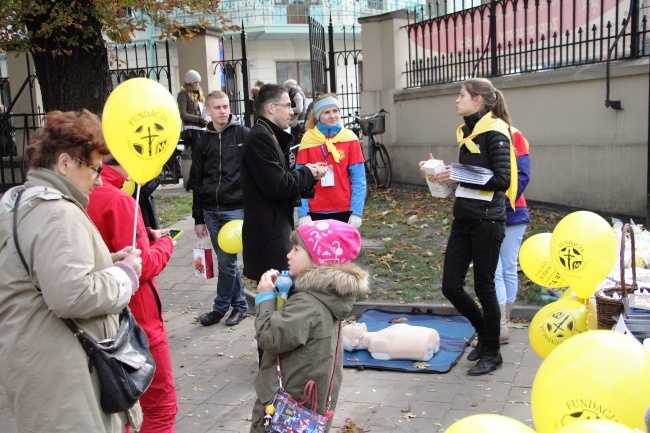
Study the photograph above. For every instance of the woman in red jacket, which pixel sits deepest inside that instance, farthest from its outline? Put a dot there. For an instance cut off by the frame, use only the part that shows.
(112, 210)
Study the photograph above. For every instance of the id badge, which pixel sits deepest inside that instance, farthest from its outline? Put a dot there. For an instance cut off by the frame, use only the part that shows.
(328, 179)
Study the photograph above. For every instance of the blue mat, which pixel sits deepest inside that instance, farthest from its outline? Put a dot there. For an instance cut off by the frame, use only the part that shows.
(455, 333)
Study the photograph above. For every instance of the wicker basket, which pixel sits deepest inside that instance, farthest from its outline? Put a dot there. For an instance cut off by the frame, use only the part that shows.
(373, 124)
(607, 309)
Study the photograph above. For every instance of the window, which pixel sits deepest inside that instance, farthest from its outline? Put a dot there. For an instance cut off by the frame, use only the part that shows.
(299, 71)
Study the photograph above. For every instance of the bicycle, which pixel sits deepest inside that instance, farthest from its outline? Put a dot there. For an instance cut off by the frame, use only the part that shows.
(378, 165)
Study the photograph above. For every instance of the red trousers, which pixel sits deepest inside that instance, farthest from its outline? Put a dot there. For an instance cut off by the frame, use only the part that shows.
(159, 400)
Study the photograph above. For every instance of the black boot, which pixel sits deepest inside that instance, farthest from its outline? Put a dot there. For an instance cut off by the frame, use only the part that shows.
(487, 363)
(477, 351)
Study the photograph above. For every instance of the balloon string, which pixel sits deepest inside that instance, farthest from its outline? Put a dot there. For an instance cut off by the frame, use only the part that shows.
(135, 217)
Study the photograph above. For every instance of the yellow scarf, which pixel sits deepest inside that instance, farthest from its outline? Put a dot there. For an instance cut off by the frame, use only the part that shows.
(485, 124)
(193, 95)
(313, 137)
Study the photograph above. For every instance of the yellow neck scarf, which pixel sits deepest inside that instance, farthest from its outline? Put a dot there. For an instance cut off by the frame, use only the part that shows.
(313, 137)
(485, 124)
(194, 96)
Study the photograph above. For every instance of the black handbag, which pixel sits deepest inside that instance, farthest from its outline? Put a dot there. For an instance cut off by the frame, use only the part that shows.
(124, 363)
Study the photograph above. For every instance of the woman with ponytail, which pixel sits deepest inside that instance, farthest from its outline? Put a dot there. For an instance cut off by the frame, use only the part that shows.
(341, 194)
(478, 227)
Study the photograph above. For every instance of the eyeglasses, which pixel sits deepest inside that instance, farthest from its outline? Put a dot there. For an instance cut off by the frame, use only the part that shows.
(287, 105)
(93, 167)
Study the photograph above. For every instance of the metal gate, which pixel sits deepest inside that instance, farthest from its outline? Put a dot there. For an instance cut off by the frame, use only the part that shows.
(344, 66)
(234, 78)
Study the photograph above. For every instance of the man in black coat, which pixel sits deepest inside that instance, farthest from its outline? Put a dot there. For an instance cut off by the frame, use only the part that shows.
(270, 188)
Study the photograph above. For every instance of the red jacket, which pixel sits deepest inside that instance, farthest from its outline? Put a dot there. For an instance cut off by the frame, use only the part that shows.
(112, 210)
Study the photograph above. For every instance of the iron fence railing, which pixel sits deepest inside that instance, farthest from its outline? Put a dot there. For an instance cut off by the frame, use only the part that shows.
(507, 37)
(348, 63)
(234, 75)
(140, 59)
(282, 12)
(15, 131)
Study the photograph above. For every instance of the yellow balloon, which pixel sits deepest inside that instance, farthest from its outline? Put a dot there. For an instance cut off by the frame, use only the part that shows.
(569, 295)
(141, 125)
(555, 323)
(488, 423)
(584, 251)
(129, 187)
(229, 237)
(535, 261)
(595, 426)
(593, 375)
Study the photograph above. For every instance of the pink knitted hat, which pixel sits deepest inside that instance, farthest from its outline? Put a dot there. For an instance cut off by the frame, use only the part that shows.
(330, 241)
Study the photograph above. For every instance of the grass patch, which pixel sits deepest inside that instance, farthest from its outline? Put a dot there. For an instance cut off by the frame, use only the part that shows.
(414, 228)
(172, 209)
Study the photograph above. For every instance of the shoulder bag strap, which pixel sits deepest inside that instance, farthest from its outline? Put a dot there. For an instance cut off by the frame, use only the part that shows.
(20, 253)
(73, 327)
(336, 361)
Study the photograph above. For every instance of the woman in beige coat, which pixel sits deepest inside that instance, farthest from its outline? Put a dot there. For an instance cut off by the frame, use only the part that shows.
(43, 368)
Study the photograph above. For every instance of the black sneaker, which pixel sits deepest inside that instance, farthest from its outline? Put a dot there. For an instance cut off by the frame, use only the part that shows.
(211, 318)
(235, 317)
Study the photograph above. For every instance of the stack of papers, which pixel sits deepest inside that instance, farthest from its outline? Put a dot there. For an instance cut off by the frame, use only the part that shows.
(470, 174)
(637, 314)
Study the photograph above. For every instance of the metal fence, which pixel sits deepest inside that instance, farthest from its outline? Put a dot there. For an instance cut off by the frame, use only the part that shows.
(283, 12)
(140, 59)
(507, 37)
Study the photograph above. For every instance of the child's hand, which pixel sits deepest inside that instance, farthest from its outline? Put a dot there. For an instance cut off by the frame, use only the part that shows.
(267, 281)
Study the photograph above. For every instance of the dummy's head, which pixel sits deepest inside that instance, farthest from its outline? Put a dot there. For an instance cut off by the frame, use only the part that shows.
(351, 335)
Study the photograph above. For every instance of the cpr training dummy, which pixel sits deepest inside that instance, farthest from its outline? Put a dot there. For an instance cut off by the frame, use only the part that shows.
(399, 341)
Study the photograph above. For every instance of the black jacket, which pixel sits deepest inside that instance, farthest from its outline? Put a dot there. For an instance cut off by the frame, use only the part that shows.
(215, 172)
(270, 190)
(494, 155)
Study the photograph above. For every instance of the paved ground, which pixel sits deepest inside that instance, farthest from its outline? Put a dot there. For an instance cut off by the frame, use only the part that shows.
(214, 369)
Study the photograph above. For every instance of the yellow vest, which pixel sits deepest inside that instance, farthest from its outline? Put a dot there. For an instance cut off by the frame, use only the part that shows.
(485, 124)
(313, 137)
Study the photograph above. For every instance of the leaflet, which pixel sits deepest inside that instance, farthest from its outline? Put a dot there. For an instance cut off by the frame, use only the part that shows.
(475, 194)
(470, 174)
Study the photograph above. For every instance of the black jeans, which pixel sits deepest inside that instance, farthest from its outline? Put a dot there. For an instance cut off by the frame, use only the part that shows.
(475, 241)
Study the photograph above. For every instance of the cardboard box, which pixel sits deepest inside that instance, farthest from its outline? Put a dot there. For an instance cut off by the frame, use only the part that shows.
(431, 167)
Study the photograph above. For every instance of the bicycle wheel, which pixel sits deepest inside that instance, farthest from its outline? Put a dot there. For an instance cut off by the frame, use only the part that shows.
(381, 166)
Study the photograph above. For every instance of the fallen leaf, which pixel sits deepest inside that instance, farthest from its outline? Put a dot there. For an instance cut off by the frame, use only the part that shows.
(422, 365)
(518, 325)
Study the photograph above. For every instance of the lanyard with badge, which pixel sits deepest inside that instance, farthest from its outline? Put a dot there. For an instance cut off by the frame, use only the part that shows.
(328, 179)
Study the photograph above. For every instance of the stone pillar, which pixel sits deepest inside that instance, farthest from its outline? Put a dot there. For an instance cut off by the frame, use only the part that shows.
(201, 53)
(384, 59)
